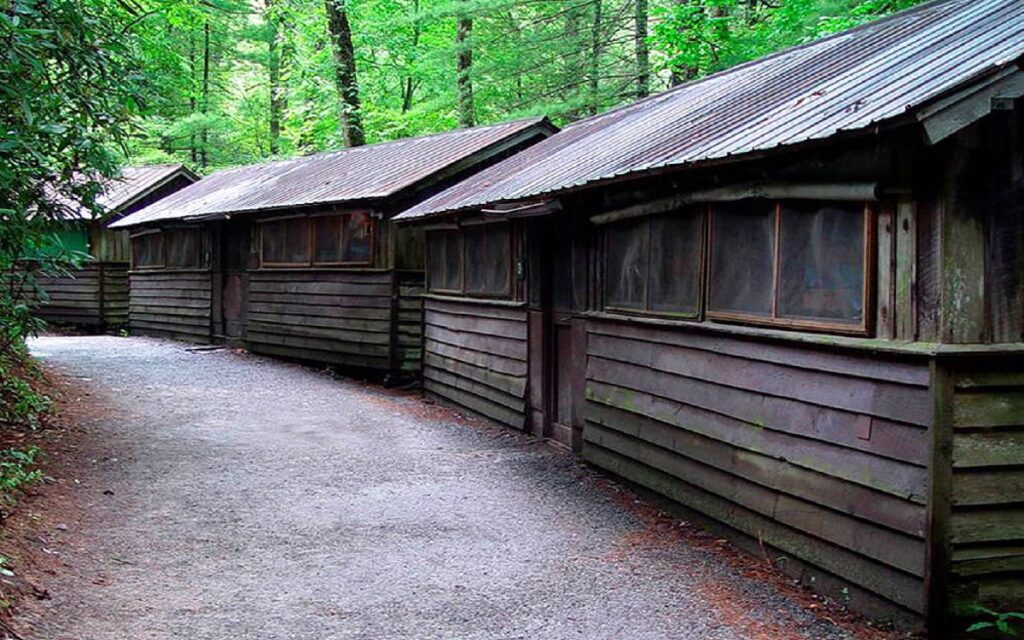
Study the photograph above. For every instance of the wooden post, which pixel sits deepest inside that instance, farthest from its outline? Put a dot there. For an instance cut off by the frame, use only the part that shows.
(884, 325)
(906, 267)
(940, 488)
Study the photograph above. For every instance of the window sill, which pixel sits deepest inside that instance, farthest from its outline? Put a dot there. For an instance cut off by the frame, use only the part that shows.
(305, 268)
(878, 345)
(163, 270)
(487, 302)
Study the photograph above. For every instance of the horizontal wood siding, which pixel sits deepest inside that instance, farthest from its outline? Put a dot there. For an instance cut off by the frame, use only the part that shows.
(987, 524)
(336, 317)
(73, 299)
(475, 355)
(409, 322)
(170, 304)
(115, 294)
(822, 456)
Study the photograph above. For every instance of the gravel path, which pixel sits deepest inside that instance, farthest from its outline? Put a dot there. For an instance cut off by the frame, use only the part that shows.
(247, 498)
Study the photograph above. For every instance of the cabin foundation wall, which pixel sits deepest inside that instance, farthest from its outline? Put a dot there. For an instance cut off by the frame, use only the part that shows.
(94, 296)
(341, 318)
(818, 455)
(171, 304)
(475, 356)
(986, 527)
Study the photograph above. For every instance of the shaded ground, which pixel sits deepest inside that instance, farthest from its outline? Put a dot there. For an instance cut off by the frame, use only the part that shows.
(218, 496)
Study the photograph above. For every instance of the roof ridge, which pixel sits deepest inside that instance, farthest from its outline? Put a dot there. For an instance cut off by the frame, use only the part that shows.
(871, 24)
(383, 143)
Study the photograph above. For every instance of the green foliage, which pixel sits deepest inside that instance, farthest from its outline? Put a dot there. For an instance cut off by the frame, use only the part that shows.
(1009, 624)
(69, 90)
(698, 38)
(18, 470)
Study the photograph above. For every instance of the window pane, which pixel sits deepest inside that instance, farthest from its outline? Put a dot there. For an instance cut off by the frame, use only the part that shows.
(675, 263)
(822, 255)
(273, 241)
(627, 265)
(742, 257)
(443, 260)
(297, 241)
(327, 238)
(183, 250)
(147, 250)
(358, 238)
(487, 259)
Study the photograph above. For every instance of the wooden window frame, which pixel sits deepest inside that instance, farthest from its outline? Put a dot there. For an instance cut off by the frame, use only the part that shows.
(702, 269)
(203, 261)
(460, 234)
(773, 320)
(344, 231)
(163, 252)
(311, 242)
(457, 231)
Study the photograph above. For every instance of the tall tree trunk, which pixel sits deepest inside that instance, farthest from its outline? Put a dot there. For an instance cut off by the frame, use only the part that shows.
(204, 159)
(464, 64)
(643, 58)
(193, 103)
(595, 60)
(274, 72)
(345, 73)
(410, 83)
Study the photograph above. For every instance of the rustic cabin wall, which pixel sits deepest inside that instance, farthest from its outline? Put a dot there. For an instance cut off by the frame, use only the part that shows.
(820, 455)
(407, 320)
(171, 304)
(986, 530)
(75, 299)
(475, 355)
(115, 296)
(982, 233)
(340, 317)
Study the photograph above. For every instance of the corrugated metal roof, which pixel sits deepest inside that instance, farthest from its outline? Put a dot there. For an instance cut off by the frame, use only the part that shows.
(359, 173)
(846, 82)
(132, 184)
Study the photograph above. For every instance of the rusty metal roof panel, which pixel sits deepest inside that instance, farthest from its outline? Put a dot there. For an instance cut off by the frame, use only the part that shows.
(847, 82)
(355, 174)
(133, 184)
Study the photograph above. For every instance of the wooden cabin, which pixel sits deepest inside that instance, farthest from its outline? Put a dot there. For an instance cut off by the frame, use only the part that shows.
(299, 258)
(96, 295)
(789, 297)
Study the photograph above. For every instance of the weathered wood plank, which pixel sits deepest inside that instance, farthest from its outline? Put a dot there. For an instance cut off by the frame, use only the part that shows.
(474, 310)
(479, 389)
(258, 336)
(872, 367)
(481, 359)
(988, 449)
(500, 345)
(1004, 409)
(369, 302)
(339, 358)
(353, 289)
(477, 405)
(484, 326)
(977, 487)
(321, 311)
(894, 585)
(896, 402)
(743, 444)
(306, 331)
(887, 439)
(514, 386)
(1002, 524)
(340, 323)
